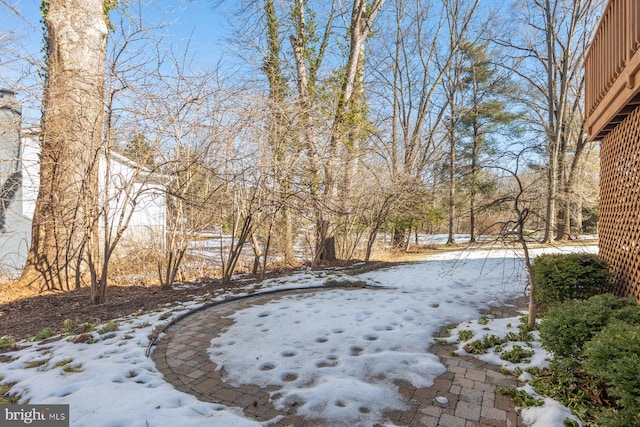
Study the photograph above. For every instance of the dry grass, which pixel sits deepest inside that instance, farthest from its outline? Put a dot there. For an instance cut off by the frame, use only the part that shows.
(415, 253)
(13, 291)
(138, 268)
(6, 398)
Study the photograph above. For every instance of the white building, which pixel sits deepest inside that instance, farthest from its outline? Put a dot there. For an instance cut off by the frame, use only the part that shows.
(132, 190)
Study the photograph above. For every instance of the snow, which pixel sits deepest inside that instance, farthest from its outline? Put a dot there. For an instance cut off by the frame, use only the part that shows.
(117, 385)
(551, 413)
(335, 353)
(500, 328)
(442, 400)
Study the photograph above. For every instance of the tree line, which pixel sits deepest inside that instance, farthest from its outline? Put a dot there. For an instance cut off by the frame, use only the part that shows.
(340, 120)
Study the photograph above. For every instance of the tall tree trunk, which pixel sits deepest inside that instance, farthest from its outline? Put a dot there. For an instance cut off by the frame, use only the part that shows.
(552, 125)
(563, 220)
(310, 140)
(579, 219)
(298, 43)
(475, 172)
(361, 20)
(279, 137)
(355, 132)
(568, 172)
(472, 218)
(452, 178)
(563, 223)
(290, 234)
(257, 253)
(65, 215)
(552, 185)
(560, 70)
(362, 16)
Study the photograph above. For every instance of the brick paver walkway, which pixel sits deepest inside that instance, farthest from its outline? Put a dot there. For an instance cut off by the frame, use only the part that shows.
(464, 396)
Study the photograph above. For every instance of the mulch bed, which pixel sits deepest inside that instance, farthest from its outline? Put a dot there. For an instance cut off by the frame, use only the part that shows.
(26, 317)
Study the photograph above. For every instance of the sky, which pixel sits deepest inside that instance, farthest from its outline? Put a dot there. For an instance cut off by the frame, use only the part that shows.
(392, 326)
(203, 25)
(198, 18)
(197, 23)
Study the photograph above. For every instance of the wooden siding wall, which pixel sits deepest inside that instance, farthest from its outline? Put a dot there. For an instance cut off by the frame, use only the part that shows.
(611, 65)
(620, 203)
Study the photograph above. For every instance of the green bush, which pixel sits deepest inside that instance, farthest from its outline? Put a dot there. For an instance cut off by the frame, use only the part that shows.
(465, 335)
(566, 328)
(42, 335)
(7, 341)
(596, 369)
(614, 418)
(565, 381)
(613, 355)
(561, 277)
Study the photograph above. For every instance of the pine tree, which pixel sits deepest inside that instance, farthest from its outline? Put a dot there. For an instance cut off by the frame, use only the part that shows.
(485, 116)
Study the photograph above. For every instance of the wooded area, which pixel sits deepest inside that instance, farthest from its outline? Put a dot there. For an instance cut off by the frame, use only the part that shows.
(345, 120)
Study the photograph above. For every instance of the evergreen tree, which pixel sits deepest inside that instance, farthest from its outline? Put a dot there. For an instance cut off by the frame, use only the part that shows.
(485, 116)
(140, 150)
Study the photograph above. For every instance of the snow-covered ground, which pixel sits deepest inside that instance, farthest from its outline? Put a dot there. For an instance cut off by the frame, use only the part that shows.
(550, 413)
(213, 247)
(334, 353)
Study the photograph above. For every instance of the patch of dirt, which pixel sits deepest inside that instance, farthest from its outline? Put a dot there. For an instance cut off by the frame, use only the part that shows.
(23, 316)
(26, 317)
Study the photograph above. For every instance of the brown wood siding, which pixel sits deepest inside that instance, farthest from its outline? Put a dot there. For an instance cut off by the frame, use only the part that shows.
(612, 65)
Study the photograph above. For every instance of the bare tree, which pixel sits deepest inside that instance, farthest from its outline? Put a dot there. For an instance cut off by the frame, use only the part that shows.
(123, 183)
(410, 79)
(155, 106)
(21, 64)
(517, 227)
(555, 36)
(452, 127)
(71, 141)
(362, 16)
(280, 134)
(193, 191)
(520, 190)
(196, 125)
(574, 152)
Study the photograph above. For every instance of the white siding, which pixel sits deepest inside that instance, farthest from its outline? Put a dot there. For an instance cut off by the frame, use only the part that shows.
(128, 186)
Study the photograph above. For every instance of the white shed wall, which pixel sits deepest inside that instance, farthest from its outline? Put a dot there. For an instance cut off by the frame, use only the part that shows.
(128, 187)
